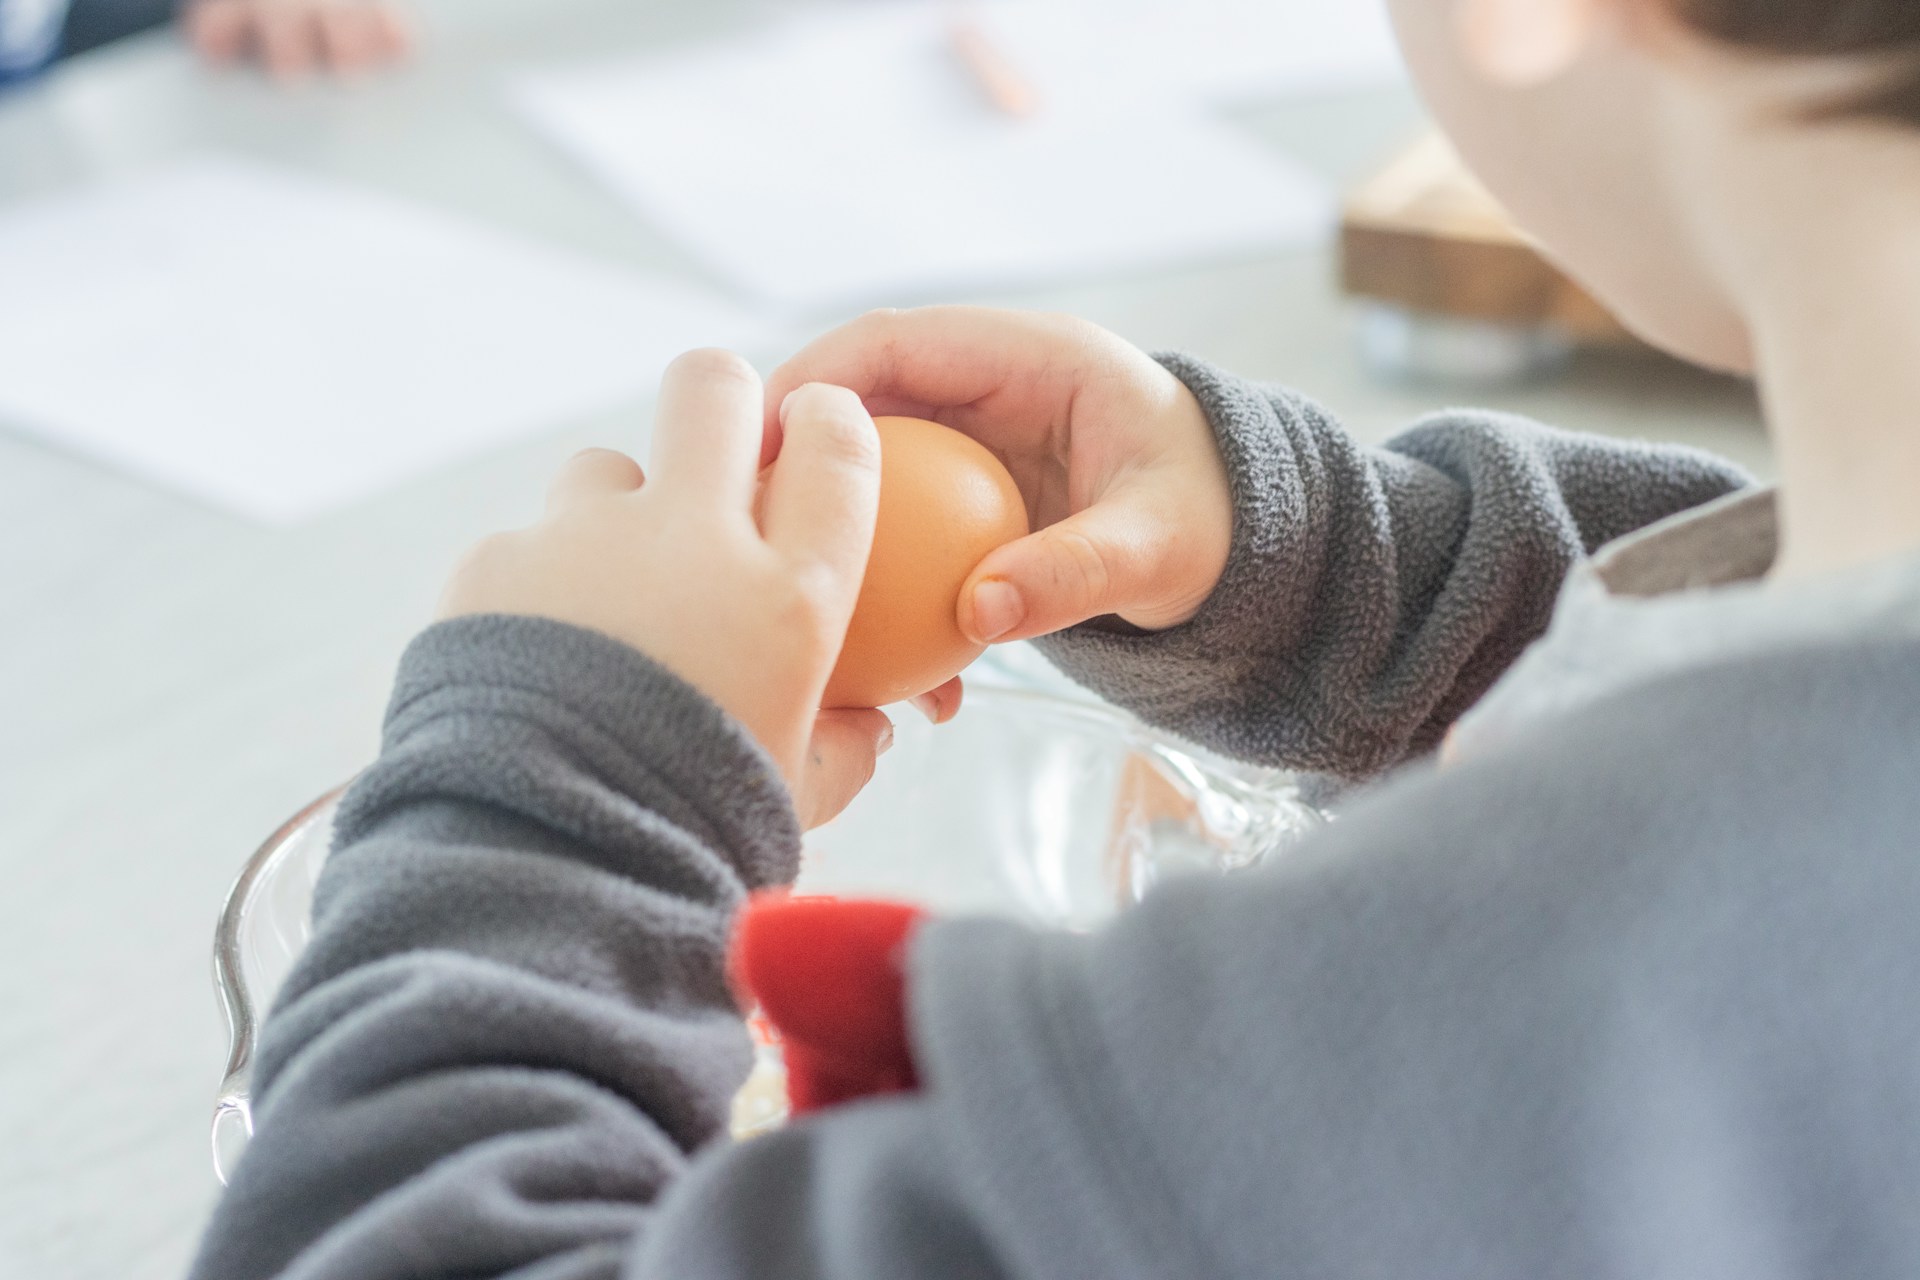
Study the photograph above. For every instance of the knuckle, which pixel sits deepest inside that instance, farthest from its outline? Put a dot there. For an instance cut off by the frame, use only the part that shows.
(882, 334)
(1090, 343)
(815, 606)
(484, 560)
(815, 597)
(833, 400)
(1062, 321)
(714, 364)
(1071, 327)
(598, 458)
(845, 435)
(1082, 566)
(489, 548)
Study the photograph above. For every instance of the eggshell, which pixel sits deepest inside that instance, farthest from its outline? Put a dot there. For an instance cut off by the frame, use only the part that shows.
(945, 502)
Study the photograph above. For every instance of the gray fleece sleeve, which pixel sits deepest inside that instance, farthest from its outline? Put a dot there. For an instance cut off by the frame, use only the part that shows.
(512, 1027)
(1569, 1010)
(1373, 594)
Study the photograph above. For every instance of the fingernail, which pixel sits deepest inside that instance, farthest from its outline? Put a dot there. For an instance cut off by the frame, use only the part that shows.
(997, 609)
(885, 743)
(787, 403)
(927, 707)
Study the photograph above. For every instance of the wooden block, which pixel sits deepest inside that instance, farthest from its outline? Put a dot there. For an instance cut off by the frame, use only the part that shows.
(1424, 235)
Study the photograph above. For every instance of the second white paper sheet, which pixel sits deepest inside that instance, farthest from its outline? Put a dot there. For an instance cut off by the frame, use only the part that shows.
(825, 164)
(1092, 52)
(278, 345)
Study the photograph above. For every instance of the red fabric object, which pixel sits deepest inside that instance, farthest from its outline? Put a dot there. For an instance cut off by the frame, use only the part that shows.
(829, 974)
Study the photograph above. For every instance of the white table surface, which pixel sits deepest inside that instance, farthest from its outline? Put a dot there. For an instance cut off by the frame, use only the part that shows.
(173, 681)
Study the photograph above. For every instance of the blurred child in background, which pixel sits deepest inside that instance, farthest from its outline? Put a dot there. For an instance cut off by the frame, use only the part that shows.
(290, 38)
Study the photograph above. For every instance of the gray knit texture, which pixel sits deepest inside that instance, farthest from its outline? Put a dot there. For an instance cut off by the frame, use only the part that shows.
(512, 1026)
(1633, 994)
(1618, 1000)
(1373, 594)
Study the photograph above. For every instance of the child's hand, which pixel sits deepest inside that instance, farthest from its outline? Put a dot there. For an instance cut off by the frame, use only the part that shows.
(293, 37)
(1120, 470)
(750, 609)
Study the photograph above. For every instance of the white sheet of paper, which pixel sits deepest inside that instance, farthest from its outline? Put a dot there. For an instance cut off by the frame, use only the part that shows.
(1089, 54)
(848, 159)
(278, 345)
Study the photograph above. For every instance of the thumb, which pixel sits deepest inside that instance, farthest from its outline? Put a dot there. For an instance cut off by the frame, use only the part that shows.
(840, 762)
(1112, 558)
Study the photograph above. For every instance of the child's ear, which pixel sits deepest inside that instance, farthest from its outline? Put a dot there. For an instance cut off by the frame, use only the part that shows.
(1522, 43)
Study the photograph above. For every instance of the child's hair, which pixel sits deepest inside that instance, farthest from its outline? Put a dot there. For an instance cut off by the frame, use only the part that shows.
(1876, 28)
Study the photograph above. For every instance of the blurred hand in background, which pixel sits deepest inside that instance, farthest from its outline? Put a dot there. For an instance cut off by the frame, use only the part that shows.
(295, 38)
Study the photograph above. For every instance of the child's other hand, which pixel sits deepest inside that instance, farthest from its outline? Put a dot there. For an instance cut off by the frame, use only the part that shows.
(750, 609)
(1120, 469)
(294, 37)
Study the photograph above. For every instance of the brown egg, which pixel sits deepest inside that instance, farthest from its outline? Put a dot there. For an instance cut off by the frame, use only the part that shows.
(945, 502)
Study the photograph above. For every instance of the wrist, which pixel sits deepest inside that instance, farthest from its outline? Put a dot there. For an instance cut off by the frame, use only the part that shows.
(1199, 493)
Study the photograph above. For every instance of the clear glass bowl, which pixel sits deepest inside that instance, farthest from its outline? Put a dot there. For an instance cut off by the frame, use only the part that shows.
(1045, 808)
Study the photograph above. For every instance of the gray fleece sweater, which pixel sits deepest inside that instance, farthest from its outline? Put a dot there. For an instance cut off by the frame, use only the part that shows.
(1634, 993)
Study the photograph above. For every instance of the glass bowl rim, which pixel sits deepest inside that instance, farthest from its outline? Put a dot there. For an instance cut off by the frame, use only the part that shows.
(239, 1003)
